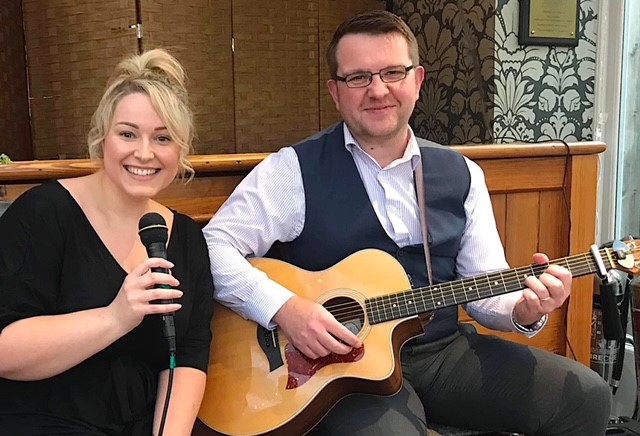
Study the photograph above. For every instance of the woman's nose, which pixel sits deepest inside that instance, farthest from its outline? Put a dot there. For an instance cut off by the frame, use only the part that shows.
(144, 150)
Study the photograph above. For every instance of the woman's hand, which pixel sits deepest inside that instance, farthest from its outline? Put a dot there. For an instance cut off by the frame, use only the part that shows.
(140, 289)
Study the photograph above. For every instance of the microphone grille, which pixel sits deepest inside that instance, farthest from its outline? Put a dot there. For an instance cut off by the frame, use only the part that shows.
(152, 228)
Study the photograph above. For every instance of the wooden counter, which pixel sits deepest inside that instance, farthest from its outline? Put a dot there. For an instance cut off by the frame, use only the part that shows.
(543, 195)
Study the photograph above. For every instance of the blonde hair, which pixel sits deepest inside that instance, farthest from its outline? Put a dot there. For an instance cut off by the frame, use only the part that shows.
(161, 77)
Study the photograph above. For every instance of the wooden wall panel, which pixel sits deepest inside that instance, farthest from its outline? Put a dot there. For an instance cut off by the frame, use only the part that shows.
(276, 73)
(553, 236)
(582, 190)
(499, 203)
(199, 34)
(15, 140)
(72, 48)
(522, 225)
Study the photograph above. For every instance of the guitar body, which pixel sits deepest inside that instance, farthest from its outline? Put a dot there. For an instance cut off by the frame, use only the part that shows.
(251, 391)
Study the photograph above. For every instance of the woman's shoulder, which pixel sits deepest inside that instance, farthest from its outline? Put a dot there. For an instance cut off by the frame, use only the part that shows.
(187, 224)
(42, 198)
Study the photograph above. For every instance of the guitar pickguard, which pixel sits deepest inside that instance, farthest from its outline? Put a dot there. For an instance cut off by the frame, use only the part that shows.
(301, 368)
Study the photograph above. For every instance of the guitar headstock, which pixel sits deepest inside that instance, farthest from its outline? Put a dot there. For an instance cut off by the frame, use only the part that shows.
(625, 255)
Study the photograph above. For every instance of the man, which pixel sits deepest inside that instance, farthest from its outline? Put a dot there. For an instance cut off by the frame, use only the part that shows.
(352, 187)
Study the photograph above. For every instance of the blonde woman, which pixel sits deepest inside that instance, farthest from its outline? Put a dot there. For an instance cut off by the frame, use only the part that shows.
(82, 349)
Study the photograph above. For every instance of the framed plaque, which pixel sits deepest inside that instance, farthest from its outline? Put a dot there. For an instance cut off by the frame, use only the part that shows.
(549, 22)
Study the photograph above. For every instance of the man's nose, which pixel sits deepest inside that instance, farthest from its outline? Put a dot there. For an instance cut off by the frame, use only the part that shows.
(377, 87)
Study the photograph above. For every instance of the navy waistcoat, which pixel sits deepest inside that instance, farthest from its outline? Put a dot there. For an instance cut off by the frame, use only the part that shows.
(340, 219)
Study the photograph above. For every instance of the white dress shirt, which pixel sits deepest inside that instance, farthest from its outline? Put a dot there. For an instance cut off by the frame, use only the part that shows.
(269, 205)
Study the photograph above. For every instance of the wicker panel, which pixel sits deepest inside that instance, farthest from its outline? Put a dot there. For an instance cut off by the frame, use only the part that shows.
(276, 73)
(72, 48)
(332, 13)
(14, 107)
(199, 34)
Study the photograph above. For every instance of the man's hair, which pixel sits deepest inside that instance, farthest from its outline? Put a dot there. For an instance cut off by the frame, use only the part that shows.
(376, 22)
(160, 76)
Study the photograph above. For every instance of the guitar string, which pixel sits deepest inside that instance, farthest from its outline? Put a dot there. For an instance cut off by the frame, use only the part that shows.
(385, 303)
(396, 307)
(581, 264)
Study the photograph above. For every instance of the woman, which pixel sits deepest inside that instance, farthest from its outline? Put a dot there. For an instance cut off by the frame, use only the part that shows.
(82, 349)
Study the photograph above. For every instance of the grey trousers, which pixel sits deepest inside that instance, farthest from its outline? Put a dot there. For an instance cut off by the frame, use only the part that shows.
(479, 382)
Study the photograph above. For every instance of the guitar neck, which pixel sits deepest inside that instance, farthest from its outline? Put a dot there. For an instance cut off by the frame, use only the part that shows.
(420, 300)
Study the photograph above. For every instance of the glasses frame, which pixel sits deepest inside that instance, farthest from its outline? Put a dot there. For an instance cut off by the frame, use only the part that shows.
(345, 79)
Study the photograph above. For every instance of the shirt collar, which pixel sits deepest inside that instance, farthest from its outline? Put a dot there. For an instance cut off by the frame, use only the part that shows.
(412, 152)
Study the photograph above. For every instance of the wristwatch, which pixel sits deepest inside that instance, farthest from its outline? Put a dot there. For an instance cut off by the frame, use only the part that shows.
(531, 328)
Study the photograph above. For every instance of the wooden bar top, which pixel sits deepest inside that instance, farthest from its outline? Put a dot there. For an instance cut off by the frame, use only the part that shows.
(39, 170)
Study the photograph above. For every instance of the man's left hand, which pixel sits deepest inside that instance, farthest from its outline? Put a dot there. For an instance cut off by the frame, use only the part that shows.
(543, 294)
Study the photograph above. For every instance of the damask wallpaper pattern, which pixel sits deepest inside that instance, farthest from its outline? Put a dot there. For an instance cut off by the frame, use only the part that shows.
(455, 39)
(482, 86)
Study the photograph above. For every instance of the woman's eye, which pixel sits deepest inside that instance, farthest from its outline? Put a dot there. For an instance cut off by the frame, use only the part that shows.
(164, 139)
(127, 135)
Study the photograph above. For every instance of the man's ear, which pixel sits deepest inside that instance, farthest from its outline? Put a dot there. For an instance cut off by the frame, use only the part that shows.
(332, 86)
(419, 77)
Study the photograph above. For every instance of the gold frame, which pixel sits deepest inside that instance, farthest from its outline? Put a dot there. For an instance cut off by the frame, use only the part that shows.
(549, 23)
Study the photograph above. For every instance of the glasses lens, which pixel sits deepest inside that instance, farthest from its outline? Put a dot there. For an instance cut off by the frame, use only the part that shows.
(393, 74)
(358, 80)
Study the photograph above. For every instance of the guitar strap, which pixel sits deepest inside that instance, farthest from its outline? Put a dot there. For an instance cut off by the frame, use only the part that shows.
(423, 217)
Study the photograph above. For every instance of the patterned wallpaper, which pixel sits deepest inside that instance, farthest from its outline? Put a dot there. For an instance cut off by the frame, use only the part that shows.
(482, 86)
(543, 93)
(455, 39)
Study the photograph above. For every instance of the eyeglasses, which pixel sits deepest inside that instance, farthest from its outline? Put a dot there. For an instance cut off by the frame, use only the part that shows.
(387, 75)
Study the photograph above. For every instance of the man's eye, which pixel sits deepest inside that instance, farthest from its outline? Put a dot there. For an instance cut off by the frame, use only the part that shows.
(357, 78)
(393, 74)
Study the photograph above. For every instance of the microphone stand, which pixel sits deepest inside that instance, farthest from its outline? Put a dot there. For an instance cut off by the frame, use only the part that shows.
(624, 424)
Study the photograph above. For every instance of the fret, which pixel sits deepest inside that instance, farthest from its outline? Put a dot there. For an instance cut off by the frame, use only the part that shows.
(438, 301)
(466, 296)
(589, 264)
(406, 303)
(473, 290)
(492, 280)
(394, 306)
(409, 303)
(372, 308)
(504, 283)
(382, 313)
(512, 280)
(536, 270)
(421, 300)
(453, 293)
(421, 292)
(478, 288)
(486, 286)
(532, 272)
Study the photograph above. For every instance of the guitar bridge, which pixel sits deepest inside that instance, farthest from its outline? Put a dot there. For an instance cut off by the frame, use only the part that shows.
(270, 346)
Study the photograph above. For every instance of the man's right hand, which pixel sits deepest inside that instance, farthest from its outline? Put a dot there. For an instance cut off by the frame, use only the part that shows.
(313, 330)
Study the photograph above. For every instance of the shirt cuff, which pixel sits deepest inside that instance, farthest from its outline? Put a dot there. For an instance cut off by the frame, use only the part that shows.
(265, 304)
(533, 329)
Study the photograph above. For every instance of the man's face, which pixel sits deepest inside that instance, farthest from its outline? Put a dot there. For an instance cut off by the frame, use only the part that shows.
(380, 111)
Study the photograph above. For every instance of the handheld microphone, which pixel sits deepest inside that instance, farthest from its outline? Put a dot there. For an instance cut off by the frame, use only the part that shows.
(154, 233)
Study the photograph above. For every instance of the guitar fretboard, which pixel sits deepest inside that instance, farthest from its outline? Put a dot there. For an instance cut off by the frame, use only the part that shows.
(420, 300)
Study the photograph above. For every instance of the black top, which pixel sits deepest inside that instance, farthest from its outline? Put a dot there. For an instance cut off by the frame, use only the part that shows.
(53, 262)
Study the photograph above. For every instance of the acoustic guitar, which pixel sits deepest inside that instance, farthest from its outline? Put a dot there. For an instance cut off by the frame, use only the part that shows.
(258, 383)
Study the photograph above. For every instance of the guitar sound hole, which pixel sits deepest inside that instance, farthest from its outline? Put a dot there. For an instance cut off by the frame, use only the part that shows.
(348, 312)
